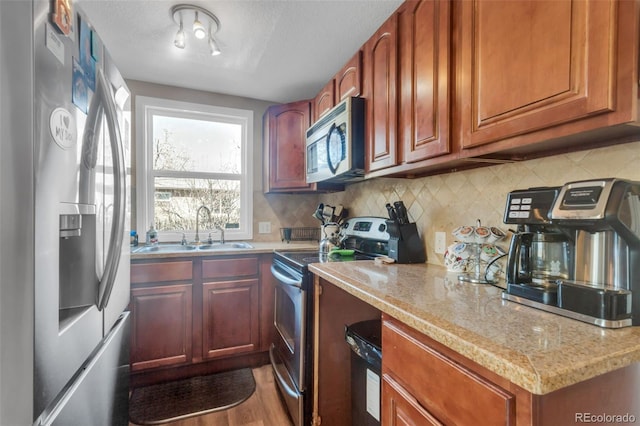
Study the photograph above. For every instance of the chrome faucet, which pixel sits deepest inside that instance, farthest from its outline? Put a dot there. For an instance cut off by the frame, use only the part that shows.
(221, 229)
(206, 209)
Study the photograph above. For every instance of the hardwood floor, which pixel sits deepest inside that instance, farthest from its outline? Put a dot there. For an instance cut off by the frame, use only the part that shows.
(263, 408)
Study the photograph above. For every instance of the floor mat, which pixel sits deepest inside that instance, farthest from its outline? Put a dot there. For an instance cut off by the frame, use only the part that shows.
(176, 400)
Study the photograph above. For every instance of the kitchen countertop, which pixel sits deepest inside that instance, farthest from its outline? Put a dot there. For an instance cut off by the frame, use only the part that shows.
(538, 351)
(258, 248)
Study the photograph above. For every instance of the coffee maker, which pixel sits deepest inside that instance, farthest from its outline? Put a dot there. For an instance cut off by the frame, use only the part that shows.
(576, 251)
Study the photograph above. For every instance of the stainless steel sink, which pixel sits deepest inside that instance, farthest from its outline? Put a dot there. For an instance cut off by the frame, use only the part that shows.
(225, 246)
(177, 248)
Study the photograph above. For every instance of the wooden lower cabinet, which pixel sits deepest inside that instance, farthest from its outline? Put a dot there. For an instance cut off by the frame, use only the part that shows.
(161, 311)
(230, 318)
(198, 315)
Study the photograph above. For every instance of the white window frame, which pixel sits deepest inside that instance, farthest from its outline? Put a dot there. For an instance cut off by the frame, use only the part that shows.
(145, 108)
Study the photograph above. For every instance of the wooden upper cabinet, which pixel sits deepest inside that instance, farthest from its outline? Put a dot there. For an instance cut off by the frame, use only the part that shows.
(380, 68)
(424, 62)
(324, 101)
(285, 145)
(531, 65)
(348, 81)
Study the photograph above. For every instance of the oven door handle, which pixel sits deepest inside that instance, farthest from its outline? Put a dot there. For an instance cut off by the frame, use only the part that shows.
(279, 376)
(284, 278)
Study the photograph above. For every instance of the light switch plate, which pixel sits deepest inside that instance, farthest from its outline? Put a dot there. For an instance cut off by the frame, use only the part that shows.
(264, 227)
(441, 242)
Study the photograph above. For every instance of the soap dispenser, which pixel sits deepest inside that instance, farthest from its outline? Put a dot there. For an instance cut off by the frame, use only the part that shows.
(152, 236)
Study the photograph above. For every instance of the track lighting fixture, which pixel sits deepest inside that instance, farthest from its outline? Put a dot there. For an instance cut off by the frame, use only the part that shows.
(213, 47)
(206, 28)
(179, 40)
(198, 28)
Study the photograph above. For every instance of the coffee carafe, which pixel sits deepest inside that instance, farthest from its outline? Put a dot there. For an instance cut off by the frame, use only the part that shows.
(539, 258)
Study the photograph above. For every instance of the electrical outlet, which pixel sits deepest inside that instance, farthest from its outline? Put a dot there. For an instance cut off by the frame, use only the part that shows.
(264, 227)
(441, 242)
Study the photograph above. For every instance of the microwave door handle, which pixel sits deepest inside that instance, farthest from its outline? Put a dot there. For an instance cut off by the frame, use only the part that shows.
(102, 103)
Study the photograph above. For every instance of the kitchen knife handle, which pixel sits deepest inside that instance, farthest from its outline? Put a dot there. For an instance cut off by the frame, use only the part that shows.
(392, 212)
(401, 212)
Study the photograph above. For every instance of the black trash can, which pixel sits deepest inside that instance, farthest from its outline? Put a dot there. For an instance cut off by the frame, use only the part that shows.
(365, 340)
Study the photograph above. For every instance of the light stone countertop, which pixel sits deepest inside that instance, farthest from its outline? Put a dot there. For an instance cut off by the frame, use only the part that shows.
(538, 351)
(257, 248)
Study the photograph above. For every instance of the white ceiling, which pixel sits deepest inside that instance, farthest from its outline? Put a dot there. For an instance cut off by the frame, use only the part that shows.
(275, 50)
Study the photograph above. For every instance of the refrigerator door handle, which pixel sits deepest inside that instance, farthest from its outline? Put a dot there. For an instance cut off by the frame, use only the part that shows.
(103, 102)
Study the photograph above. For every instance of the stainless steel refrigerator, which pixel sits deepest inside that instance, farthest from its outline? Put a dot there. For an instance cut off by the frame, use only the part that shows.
(65, 209)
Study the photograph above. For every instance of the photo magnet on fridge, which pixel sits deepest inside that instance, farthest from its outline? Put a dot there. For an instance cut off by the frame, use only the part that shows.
(79, 95)
(86, 60)
(62, 15)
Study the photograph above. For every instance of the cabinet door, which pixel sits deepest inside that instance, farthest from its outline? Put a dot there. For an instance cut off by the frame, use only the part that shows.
(380, 75)
(324, 101)
(400, 408)
(160, 326)
(230, 318)
(529, 65)
(424, 45)
(285, 145)
(349, 79)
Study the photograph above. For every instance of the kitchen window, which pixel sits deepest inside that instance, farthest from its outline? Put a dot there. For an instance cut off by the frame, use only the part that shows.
(190, 155)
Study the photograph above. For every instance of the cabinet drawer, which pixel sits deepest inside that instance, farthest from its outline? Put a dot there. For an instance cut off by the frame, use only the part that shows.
(230, 268)
(161, 271)
(401, 408)
(451, 392)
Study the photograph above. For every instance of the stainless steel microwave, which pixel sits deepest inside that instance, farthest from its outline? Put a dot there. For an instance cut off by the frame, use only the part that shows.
(335, 144)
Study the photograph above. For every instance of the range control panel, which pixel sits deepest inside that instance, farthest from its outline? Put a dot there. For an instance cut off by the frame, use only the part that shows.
(530, 206)
(373, 228)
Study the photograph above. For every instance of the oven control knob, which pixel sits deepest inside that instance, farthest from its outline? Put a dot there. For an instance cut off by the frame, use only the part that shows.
(382, 227)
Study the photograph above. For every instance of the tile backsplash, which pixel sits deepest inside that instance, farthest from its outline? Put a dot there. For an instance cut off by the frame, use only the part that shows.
(443, 202)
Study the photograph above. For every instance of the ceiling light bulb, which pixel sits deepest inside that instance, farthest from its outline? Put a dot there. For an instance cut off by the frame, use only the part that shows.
(179, 40)
(214, 48)
(198, 28)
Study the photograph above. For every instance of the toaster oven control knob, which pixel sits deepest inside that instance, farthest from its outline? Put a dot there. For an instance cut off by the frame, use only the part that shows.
(336, 146)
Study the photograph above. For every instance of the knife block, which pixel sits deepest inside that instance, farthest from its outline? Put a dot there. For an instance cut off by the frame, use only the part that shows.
(405, 244)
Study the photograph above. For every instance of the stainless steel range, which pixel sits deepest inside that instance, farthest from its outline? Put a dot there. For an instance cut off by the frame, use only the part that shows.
(291, 352)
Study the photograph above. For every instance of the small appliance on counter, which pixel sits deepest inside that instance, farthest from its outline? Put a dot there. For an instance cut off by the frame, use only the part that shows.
(577, 250)
(405, 244)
